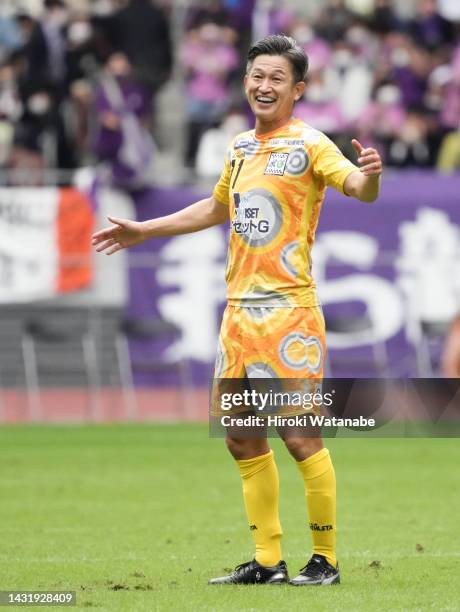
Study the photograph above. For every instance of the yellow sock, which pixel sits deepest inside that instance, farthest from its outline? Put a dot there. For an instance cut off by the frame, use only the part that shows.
(319, 478)
(261, 492)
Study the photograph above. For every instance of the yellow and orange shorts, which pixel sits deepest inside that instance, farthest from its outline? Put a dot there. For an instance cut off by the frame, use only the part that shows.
(259, 342)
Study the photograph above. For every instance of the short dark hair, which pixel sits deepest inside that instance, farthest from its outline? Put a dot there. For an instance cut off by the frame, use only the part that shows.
(280, 44)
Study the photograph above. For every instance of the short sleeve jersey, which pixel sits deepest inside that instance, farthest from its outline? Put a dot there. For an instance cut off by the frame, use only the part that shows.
(274, 185)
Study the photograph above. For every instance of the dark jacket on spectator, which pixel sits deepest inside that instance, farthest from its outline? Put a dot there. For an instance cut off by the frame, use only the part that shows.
(141, 30)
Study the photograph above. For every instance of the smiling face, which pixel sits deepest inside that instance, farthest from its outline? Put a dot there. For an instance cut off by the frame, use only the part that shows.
(271, 91)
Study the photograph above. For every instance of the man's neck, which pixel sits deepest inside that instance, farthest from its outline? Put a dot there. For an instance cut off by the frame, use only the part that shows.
(265, 128)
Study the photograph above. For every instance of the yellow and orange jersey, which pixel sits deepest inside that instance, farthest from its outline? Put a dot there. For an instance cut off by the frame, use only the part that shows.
(275, 185)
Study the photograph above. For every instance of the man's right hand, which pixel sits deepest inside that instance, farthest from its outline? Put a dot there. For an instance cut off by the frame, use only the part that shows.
(122, 234)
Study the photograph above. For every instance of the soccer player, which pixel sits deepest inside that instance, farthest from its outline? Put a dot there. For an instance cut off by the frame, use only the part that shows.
(271, 190)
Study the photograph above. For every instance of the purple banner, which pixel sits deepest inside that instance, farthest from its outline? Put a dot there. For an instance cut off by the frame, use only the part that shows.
(388, 275)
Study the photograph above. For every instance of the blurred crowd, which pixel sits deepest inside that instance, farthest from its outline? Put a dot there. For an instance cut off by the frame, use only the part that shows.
(78, 79)
(77, 83)
(391, 81)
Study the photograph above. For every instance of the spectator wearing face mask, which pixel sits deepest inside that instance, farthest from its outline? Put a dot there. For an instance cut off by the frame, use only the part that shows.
(209, 59)
(319, 107)
(123, 141)
(319, 51)
(350, 77)
(410, 67)
(382, 119)
(34, 55)
(80, 56)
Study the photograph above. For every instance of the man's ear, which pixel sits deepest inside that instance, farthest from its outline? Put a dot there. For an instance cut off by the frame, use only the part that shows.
(245, 81)
(300, 89)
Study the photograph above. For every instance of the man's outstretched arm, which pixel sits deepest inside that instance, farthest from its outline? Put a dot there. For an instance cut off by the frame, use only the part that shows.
(365, 184)
(125, 233)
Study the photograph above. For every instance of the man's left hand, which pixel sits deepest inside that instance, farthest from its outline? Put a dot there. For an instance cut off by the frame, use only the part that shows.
(369, 160)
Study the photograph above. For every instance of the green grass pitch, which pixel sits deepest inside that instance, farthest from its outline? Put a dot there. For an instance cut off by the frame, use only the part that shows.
(138, 517)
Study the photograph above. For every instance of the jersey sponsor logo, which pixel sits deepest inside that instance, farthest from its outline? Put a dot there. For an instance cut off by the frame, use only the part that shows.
(257, 225)
(247, 218)
(286, 142)
(258, 217)
(276, 164)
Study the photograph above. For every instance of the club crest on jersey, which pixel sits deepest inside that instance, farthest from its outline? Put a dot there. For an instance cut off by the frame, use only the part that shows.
(276, 164)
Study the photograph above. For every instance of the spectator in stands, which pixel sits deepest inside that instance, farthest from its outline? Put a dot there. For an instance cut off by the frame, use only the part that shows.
(53, 25)
(10, 109)
(214, 144)
(384, 18)
(240, 19)
(10, 101)
(34, 53)
(395, 81)
(334, 19)
(10, 35)
(350, 77)
(200, 12)
(318, 50)
(319, 107)
(123, 140)
(234, 14)
(27, 159)
(80, 55)
(429, 29)
(410, 68)
(42, 83)
(141, 32)
(411, 147)
(102, 22)
(209, 58)
(382, 120)
(81, 67)
(79, 123)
